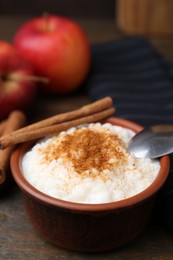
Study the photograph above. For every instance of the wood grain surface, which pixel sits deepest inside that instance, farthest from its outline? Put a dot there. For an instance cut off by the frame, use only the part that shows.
(145, 17)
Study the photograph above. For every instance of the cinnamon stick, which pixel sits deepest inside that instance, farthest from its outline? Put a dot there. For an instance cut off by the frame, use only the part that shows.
(86, 110)
(15, 120)
(27, 135)
(2, 126)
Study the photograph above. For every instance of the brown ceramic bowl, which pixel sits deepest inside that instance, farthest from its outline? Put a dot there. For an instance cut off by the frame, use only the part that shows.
(88, 227)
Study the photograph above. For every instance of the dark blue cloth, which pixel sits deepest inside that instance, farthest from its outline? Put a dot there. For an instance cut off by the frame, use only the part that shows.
(140, 81)
(136, 76)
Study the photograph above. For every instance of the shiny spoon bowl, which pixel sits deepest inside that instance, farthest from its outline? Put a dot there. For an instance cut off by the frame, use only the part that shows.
(152, 142)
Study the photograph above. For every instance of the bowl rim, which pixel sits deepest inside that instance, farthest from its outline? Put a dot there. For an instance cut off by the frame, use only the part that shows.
(43, 198)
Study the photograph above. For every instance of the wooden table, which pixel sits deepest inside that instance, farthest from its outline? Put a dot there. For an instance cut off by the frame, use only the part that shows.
(18, 239)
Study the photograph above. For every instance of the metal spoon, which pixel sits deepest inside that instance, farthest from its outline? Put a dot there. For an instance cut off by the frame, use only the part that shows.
(152, 142)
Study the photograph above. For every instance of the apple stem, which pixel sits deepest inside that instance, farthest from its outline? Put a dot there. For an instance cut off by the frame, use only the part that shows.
(28, 78)
(47, 23)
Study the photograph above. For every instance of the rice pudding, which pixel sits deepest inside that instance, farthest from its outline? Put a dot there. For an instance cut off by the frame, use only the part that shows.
(88, 164)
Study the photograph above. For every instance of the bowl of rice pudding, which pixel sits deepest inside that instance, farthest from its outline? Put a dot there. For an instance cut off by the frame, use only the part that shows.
(83, 190)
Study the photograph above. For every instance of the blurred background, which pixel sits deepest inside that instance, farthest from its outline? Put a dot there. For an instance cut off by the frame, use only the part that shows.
(14, 12)
(72, 8)
(102, 20)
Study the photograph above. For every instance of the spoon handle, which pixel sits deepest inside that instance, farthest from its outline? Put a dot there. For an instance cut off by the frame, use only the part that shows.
(162, 129)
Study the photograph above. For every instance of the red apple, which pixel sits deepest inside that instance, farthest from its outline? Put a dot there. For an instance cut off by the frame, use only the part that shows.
(17, 90)
(58, 49)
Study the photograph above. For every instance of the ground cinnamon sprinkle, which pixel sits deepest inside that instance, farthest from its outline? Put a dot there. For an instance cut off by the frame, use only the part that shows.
(90, 152)
(89, 164)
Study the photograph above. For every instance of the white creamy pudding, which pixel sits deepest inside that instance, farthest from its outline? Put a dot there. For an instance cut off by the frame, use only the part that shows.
(89, 164)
